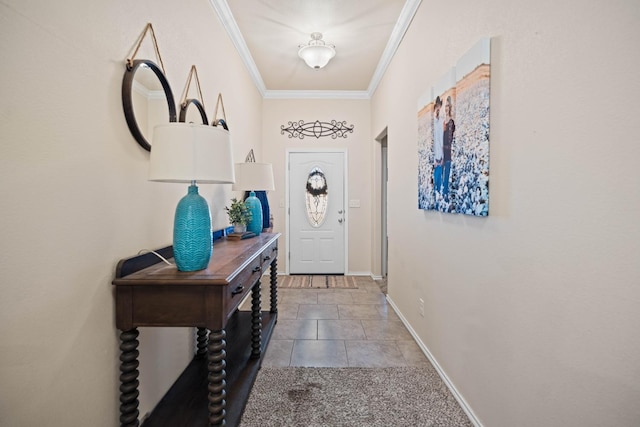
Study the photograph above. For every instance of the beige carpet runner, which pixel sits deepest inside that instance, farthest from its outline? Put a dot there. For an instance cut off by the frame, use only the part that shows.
(352, 397)
(315, 281)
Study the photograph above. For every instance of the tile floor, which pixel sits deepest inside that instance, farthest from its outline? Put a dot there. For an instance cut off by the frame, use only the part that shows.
(339, 328)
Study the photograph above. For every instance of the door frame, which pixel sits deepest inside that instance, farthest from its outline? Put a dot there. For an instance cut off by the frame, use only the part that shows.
(384, 211)
(287, 205)
(378, 228)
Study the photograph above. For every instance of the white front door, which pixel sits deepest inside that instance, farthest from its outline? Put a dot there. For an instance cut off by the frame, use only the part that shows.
(317, 213)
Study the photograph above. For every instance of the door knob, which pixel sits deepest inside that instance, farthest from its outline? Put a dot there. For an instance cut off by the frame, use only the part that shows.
(340, 220)
(340, 212)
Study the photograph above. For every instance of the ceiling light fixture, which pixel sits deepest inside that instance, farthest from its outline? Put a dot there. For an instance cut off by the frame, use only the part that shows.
(316, 53)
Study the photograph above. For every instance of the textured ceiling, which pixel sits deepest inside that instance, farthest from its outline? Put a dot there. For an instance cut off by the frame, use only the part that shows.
(267, 34)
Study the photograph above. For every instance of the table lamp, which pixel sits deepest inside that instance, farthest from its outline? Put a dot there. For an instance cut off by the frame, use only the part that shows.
(186, 152)
(254, 177)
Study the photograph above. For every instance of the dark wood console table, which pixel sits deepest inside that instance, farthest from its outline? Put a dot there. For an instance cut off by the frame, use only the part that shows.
(214, 388)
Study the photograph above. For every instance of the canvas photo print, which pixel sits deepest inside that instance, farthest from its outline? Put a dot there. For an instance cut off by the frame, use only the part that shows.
(453, 137)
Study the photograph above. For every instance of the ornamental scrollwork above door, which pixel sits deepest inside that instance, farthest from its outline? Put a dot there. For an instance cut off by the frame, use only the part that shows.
(335, 129)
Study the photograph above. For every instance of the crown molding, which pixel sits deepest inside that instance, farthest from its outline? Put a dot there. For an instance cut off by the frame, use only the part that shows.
(229, 23)
(402, 25)
(142, 90)
(316, 94)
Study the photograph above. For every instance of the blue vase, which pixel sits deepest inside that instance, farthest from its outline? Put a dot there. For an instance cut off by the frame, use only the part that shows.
(255, 207)
(192, 242)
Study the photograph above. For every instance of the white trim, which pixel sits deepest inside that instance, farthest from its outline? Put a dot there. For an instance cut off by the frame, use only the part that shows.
(397, 34)
(229, 23)
(402, 25)
(358, 273)
(316, 94)
(287, 207)
(148, 94)
(463, 403)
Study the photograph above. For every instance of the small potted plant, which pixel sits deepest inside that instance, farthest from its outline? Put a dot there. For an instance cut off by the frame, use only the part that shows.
(239, 215)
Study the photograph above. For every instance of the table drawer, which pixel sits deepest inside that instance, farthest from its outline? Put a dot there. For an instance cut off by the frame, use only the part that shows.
(268, 255)
(241, 285)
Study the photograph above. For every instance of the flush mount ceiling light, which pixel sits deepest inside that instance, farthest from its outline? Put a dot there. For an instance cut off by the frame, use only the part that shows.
(316, 53)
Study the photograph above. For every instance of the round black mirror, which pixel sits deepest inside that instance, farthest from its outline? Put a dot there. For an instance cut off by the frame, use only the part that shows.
(144, 87)
(220, 122)
(185, 106)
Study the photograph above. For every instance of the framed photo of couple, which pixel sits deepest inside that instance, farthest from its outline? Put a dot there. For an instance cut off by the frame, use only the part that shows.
(453, 137)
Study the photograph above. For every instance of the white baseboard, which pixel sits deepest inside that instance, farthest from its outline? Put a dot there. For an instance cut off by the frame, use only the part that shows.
(358, 273)
(351, 273)
(463, 403)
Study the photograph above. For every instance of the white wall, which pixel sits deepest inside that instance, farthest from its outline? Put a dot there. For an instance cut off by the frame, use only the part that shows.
(532, 312)
(75, 195)
(359, 143)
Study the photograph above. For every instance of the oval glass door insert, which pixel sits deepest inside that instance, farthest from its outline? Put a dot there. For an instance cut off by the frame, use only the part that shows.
(316, 197)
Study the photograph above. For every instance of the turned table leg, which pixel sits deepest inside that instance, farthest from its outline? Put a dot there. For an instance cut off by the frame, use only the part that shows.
(201, 342)
(273, 274)
(256, 321)
(217, 377)
(129, 378)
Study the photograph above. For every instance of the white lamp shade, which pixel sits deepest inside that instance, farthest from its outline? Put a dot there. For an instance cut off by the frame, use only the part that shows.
(253, 176)
(317, 56)
(186, 152)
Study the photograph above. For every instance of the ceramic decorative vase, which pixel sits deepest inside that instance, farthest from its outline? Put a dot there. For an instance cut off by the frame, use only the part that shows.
(192, 242)
(255, 207)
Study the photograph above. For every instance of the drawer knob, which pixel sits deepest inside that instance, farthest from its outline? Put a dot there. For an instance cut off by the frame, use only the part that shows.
(256, 269)
(267, 258)
(237, 290)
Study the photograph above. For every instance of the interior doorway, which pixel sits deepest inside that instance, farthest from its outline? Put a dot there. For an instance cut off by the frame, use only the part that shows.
(384, 177)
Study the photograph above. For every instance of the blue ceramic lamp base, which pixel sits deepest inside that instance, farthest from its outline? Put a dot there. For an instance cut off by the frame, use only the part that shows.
(255, 207)
(192, 242)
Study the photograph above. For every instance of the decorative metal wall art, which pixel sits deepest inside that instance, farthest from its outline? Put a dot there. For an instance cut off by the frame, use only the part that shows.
(335, 129)
(250, 157)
